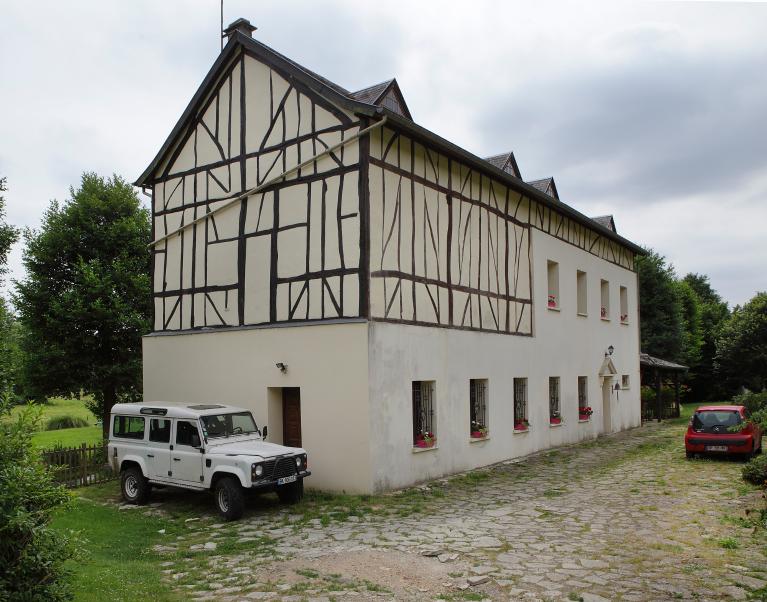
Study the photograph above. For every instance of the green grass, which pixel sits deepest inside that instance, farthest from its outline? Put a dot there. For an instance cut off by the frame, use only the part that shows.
(55, 408)
(117, 563)
(58, 406)
(67, 437)
(729, 543)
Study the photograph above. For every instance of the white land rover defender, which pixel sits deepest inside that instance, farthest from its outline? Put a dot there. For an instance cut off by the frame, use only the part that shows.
(201, 446)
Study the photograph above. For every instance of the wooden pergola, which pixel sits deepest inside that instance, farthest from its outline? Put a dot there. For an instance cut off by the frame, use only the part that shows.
(656, 372)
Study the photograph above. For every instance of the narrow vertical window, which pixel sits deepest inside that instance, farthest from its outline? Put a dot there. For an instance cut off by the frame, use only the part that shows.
(520, 405)
(555, 417)
(625, 381)
(605, 294)
(583, 298)
(552, 268)
(584, 411)
(624, 305)
(478, 408)
(423, 414)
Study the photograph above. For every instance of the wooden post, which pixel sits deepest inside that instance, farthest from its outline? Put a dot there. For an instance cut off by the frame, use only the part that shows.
(676, 394)
(658, 398)
(84, 463)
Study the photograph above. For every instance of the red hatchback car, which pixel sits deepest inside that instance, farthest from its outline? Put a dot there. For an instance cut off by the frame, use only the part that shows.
(722, 429)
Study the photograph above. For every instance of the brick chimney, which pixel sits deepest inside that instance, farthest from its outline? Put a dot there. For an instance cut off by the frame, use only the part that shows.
(241, 25)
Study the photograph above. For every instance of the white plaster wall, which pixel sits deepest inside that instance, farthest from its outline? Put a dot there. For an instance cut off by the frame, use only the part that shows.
(564, 345)
(327, 361)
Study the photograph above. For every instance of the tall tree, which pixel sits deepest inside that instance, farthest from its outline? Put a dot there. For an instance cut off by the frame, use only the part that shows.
(86, 301)
(692, 335)
(8, 234)
(704, 384)
(660, 308)
(741, 348)
(9, 349)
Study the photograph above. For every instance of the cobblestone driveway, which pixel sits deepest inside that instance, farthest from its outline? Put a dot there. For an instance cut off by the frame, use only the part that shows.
(621, 518)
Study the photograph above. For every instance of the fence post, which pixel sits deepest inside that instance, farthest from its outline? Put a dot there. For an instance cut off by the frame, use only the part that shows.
(84, 463)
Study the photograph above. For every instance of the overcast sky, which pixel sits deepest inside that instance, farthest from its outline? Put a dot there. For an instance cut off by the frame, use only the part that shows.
(655, 112)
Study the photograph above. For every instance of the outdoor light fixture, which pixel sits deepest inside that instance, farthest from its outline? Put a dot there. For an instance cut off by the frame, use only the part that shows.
(282, 367)
(610, 350)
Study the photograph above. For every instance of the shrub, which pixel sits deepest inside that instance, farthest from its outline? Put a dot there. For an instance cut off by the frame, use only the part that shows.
(755, 471)
(32, 555)
(754, 402)
(65, 422)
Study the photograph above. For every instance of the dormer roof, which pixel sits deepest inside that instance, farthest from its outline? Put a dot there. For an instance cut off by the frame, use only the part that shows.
(505, 162)
(546, 186)
(606, 221)
(385, 94)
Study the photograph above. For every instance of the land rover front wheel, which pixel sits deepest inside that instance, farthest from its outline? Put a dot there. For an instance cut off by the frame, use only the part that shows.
(230, 499)
(135, 488)
(291, 494)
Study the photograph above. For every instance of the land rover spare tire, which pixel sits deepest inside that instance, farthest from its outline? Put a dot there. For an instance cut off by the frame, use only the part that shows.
(135, 488)
(230, 499)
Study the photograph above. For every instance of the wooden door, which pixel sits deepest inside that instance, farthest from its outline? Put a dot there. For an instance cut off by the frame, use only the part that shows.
(291, 416)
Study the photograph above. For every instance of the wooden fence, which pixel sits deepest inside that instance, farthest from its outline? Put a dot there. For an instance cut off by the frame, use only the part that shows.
(79, 466)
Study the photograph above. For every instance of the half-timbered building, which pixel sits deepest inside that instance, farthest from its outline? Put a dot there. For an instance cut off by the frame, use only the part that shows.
(393, 303)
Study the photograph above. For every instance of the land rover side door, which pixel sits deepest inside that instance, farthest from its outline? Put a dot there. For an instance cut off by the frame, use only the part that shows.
(186, 459)
(158, 454)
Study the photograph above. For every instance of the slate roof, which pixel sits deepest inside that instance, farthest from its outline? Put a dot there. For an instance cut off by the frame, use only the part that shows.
(655, 362)
(546, 186)
(372, 93)
(505, 162)
(398, 119)
(607, 221)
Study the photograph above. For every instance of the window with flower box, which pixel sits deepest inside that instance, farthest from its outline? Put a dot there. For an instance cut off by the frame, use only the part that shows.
(555, 416)
(478, 408)
(624, 299)
(552, 269)
(423, 414)
(605, 296)
(584, 410)
(521, 422)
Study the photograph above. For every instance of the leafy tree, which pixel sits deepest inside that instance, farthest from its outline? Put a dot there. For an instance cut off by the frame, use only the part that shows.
(10, 355)
(32, 555)
(741, 347)
(86, 301)
(8, 234)
(692, 335)
(705, 384)
(660, 308)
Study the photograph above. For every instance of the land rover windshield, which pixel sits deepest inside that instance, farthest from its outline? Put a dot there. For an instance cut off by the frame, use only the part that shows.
(226, 425)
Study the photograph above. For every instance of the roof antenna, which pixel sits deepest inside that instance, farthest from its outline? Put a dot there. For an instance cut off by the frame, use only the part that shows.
(221, 30)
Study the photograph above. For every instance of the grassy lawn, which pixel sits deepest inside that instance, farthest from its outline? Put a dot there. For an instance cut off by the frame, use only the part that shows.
(67, 437)
(73, 437)
(117, 563)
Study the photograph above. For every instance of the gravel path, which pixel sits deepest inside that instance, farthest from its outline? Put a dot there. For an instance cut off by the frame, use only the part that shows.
(625, 517)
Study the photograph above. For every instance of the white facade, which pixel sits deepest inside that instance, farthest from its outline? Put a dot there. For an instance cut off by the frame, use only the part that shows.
(395, 259)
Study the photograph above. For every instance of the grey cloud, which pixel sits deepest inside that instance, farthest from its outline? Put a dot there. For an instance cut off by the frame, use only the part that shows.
(664, 124)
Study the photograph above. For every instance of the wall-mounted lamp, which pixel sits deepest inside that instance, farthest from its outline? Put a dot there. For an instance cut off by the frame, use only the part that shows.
(282, 367)
(617, 389)
(610, 350)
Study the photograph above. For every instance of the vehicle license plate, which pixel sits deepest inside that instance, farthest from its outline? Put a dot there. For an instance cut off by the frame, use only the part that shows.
(292, 478)
(721, 448)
